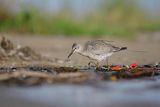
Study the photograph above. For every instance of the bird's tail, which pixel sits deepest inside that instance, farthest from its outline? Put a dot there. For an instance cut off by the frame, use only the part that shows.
(122, 48)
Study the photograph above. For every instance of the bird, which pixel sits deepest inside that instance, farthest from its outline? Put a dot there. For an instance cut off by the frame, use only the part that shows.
(98, 50)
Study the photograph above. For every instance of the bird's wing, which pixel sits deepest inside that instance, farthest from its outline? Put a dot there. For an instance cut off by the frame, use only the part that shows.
(99, 47)
(112, 47)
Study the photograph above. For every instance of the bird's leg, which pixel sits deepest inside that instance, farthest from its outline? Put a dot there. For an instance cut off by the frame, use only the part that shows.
(97, 65)
(107, 60)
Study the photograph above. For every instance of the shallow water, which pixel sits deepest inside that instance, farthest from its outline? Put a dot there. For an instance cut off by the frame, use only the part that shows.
(129, 93)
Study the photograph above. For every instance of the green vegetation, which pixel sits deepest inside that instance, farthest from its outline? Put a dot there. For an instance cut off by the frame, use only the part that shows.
(118, 18)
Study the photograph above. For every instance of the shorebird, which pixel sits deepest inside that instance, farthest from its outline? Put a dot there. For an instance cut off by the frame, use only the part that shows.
(98, 50)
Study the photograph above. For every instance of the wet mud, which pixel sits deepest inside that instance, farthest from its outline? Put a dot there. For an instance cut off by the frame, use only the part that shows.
(25, 72)
(27, 78)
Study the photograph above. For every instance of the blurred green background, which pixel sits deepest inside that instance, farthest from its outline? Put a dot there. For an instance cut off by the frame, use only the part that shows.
(121, 18)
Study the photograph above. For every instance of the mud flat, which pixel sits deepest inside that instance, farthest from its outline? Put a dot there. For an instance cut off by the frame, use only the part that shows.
(35, 73)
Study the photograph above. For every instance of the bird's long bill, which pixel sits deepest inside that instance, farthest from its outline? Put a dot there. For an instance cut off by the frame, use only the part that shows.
(71, 53)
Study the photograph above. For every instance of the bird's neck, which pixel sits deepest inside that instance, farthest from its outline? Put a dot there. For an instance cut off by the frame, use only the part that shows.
(81, 52)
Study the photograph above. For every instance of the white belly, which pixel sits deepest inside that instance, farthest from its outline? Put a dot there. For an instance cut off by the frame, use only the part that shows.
(98, 57)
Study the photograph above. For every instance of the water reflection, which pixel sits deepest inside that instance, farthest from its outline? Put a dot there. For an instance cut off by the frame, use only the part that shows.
(115, 94)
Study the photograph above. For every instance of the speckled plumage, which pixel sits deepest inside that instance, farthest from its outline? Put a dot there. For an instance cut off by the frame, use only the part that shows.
(97, 49)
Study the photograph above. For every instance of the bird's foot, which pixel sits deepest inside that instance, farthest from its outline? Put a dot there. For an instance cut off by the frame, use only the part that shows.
(92, 64)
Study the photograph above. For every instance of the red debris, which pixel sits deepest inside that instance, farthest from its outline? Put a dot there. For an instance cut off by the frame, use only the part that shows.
(116, 67)
(133, 65)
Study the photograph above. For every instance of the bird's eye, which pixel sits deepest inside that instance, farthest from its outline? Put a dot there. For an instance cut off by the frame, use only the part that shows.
(74, 48)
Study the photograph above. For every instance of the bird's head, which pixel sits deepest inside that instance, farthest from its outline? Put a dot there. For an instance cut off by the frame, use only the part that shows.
(75, 48)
